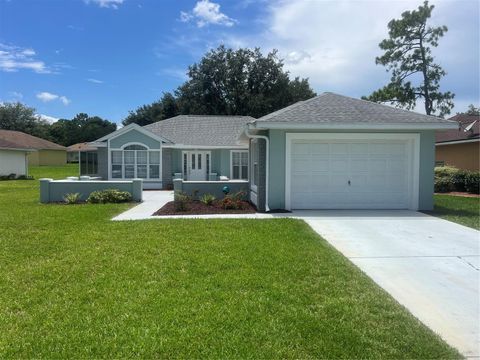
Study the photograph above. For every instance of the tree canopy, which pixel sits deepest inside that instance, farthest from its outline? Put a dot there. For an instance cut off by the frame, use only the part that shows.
(19, 117)
(408, 56)
(229, 82)
(82, 128)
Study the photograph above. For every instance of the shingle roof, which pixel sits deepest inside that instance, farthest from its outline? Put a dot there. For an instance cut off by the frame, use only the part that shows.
(201, 130)
(461, 133)
(5, 144)
(85, 146)
(333, 108)
(26, 141)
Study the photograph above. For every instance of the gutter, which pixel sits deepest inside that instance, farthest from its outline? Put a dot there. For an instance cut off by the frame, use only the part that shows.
(267, 159)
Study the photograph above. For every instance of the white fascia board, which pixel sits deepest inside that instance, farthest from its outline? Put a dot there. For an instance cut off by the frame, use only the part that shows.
(453, 142)
(352, 126)
(180, 146)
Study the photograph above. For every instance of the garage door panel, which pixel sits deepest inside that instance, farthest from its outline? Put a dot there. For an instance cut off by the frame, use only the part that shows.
(378, 171)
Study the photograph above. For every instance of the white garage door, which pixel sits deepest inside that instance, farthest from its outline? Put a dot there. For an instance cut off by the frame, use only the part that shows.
(354, 173)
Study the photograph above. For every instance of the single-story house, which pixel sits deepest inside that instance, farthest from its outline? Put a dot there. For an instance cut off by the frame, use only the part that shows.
(328, 152)
(73, 151)
(13, 158)
(460, 147)
(48, 153)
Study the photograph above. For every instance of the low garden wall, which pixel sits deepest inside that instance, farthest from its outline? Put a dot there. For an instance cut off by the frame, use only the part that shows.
(209, 187)
(54, 190)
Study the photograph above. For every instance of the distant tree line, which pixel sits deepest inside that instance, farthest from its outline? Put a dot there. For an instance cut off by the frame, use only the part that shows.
(228, 82)
(82, 128)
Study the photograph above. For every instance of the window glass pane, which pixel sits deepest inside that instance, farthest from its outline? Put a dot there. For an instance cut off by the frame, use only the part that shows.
(117, 171)
(199, 161)
(154, 171)
(141, 157)
(154, 157)
(235, 158)
(142, 171)
(208, 163)
(116, 157)
(236, 172)
(129, 171)
(193, 161)
(129, 157)
(244, 175)
(244, 159)
(184, 164)
(135, 147)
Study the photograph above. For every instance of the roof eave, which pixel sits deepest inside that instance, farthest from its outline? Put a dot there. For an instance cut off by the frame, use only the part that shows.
(352, 126)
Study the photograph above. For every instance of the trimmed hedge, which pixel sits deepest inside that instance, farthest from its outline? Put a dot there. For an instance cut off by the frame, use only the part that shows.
(109, 196)
(449, 178)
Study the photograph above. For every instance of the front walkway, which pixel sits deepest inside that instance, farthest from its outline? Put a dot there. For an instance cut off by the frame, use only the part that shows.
(429, 265)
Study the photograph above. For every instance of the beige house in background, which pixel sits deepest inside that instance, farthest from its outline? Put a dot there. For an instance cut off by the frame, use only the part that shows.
(460, 147)
(46, 152)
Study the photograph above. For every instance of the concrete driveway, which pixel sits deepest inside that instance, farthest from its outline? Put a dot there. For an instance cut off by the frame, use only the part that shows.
(429, 265)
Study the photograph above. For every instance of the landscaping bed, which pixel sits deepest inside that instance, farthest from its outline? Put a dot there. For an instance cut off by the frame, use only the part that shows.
(199, 208)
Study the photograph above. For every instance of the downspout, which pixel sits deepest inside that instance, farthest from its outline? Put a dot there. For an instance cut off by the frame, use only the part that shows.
(267, 160)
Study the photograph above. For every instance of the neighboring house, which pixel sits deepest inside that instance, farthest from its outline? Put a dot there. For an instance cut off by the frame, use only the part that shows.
(460, 147)
(48, 153)
(13, 158)
(194, 148)
(73, 151)
(328, 152)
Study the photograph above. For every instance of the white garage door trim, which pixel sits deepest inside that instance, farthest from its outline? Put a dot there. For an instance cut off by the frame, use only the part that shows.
(414, 157)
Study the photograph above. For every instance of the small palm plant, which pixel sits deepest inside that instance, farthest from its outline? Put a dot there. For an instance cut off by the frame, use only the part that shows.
(207, 199)
(72, 198)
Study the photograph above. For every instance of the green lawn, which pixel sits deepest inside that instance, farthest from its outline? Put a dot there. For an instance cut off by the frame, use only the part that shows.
(75, 284)
(462, 210)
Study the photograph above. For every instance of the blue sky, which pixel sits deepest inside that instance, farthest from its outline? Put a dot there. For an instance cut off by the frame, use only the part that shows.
(106, 57)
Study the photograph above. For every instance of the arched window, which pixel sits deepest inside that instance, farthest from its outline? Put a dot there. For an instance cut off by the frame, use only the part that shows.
(135, 147)
(135, 161)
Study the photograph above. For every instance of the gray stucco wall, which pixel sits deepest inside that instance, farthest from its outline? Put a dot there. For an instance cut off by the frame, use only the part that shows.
(55, 190)
(210, 187)
(277, 165)
(167, 174)
(134, 136)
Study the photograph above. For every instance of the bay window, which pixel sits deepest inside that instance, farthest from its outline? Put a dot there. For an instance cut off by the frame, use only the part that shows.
(239, 165)
(135, 161)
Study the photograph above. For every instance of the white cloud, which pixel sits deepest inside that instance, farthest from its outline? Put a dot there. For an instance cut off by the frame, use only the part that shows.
(113, 4)
(47, 118)
(45, 96)
(95, 81)
(14, 58)
(334, 43)
(205, 13)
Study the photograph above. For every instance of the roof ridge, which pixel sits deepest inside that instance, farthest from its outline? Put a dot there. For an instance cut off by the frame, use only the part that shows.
(289, 107)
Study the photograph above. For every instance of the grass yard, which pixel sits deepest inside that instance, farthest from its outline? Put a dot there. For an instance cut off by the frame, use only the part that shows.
(74, 284)
(462, 210)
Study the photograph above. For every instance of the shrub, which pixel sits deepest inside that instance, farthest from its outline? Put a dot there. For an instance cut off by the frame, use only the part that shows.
(458, 180)
(24, 177)
(443, 185)
(109, 196)
(207, 199)
(472, 182)
(72, 198)
(234, 201)
(181, 201)
(15, 177)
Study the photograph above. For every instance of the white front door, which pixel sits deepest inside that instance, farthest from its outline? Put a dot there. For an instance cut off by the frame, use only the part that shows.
(196, 165)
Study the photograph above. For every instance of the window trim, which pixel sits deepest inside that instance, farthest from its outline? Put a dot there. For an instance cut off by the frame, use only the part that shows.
(248, 165)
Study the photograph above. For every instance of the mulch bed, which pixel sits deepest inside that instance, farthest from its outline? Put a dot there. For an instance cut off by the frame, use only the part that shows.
(198, 208)
(457, 193)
